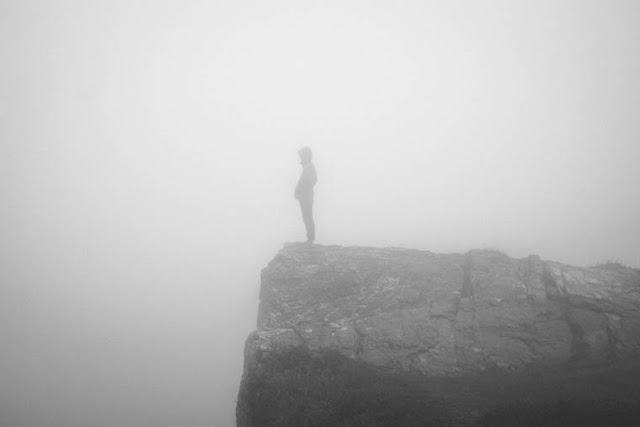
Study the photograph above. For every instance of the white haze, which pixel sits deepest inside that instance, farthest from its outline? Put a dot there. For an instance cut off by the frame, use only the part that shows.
(148, 158)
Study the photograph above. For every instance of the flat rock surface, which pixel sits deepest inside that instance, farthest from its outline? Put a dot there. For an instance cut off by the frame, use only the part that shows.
(449, 314)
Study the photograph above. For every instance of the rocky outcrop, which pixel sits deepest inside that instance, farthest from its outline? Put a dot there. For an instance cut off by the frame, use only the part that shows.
(441, 315)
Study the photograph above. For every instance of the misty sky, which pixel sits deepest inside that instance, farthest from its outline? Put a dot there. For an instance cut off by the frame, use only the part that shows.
(148, 159)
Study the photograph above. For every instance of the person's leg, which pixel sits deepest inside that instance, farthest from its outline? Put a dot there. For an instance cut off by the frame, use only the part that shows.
(306, 206)
(311, 229)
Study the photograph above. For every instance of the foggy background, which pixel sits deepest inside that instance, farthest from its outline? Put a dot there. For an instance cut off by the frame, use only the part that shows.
(148, 160)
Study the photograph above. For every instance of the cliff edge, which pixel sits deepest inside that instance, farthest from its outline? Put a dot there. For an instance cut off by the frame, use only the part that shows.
(370, 336)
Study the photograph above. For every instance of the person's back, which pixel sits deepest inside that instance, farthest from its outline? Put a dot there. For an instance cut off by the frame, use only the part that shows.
(304, 191)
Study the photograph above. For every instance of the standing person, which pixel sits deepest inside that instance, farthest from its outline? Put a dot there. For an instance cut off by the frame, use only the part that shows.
(304, 191)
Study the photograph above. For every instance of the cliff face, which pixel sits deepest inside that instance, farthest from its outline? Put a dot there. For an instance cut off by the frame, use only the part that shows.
(429, 315)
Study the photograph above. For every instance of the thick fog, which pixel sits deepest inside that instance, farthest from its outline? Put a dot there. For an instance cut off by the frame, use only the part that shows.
(148, 156)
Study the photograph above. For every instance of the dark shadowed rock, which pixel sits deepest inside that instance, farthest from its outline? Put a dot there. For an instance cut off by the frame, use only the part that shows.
(401, 312)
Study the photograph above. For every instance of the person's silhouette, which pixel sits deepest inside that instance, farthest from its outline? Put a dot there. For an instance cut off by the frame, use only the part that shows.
(304, 191)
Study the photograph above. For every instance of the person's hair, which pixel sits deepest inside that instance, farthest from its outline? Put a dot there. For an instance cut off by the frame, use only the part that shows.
(305, 154)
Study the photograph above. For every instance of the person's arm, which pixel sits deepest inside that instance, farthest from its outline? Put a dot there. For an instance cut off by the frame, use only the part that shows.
(296, 193)
(299, 186)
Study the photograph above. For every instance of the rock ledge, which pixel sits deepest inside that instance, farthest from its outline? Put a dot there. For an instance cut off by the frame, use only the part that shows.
(442, 315)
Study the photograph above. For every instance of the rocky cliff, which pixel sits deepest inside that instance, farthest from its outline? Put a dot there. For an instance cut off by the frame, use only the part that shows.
(337, 319)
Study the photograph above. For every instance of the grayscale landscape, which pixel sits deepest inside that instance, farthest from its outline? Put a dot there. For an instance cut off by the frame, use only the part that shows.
(148, 164)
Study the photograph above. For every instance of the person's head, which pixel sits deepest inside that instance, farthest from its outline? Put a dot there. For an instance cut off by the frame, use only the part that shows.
(305, 155)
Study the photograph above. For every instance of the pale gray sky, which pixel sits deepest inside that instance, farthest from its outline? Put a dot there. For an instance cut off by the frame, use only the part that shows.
(148, 158)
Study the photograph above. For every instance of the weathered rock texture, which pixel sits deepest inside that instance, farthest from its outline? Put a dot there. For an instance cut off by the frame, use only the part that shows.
(437, 315)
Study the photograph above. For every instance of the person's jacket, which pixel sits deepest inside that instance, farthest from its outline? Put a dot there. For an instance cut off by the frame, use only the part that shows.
(308, 178)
